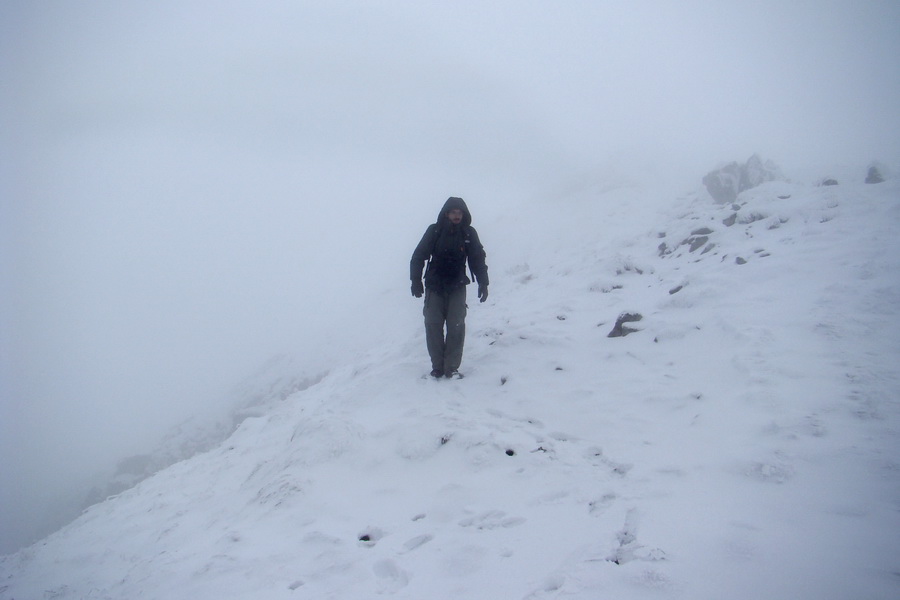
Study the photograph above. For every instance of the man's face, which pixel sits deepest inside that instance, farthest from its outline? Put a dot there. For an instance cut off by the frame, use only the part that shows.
(455, 215)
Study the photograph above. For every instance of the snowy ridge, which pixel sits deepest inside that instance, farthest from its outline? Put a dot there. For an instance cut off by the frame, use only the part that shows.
(741, 443)
(278, 378)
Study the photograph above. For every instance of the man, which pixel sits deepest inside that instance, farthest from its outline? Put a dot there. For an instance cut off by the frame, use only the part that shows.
(448, 245)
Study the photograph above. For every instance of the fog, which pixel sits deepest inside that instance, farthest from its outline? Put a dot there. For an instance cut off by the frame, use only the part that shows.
(187, 189)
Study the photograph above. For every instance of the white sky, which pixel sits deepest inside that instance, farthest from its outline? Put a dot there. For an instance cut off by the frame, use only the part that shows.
(188, 188)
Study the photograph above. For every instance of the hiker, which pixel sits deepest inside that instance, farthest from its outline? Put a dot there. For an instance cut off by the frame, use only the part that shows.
(447, 245)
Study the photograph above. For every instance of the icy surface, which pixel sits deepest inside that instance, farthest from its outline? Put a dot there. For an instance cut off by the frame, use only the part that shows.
(740, 442)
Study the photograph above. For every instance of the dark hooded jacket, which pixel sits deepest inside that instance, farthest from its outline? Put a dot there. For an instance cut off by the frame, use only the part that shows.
(448, 248)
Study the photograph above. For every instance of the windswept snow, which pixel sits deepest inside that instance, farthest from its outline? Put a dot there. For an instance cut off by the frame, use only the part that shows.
(742, 442)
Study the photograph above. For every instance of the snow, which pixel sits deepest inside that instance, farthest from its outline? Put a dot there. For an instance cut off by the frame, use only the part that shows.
(742, 442)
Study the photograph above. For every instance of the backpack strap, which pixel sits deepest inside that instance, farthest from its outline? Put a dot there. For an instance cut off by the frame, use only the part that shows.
(435, 233)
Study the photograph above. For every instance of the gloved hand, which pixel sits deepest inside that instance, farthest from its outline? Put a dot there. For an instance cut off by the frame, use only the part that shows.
(417, 288)
(482, 292)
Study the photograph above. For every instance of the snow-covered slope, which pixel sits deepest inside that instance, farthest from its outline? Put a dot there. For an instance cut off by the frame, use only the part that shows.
(742, 442)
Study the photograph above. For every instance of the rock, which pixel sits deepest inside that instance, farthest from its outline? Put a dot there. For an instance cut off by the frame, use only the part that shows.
(756, 172)
(874, 175)
(695, 242)
(829, 181)
(724, 184)
(619, 330)
(698, 242)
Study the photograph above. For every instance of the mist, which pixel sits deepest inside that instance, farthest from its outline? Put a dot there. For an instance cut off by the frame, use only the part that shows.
(187, 189)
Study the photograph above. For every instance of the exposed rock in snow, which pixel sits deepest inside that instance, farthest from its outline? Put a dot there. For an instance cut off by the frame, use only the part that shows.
(874, 175)
(725, 183)
(620, 330)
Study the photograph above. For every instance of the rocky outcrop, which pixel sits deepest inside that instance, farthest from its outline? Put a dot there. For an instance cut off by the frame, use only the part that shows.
(874, 175)
(724, 184)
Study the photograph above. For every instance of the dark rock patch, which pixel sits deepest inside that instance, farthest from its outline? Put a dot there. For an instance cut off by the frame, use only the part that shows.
(874, 175)
(620, 330)
(697, 242)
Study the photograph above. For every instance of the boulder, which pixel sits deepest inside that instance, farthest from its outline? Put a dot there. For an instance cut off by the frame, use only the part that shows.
(725, 183)
(874, 175)
(755, 172)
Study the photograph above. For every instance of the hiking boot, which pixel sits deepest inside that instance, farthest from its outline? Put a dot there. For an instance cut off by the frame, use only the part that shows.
(454, 374)
(437, 373)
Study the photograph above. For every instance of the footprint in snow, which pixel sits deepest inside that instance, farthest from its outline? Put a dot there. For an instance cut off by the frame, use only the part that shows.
(417, 541)
(390, 577)
(627, 546)
(491, 519)
(551, 585)
(602, 503)
(595, 456)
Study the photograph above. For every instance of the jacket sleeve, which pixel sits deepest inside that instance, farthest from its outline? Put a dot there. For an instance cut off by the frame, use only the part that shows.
(421, 254)
(477, 257)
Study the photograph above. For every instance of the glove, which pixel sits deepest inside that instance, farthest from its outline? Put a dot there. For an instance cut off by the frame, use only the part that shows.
(417, 288)
(482, 292)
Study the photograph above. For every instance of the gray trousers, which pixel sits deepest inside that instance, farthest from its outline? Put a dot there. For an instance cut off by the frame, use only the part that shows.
(445, 308)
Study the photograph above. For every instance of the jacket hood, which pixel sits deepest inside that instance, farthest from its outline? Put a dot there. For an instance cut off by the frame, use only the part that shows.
(451, 203)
